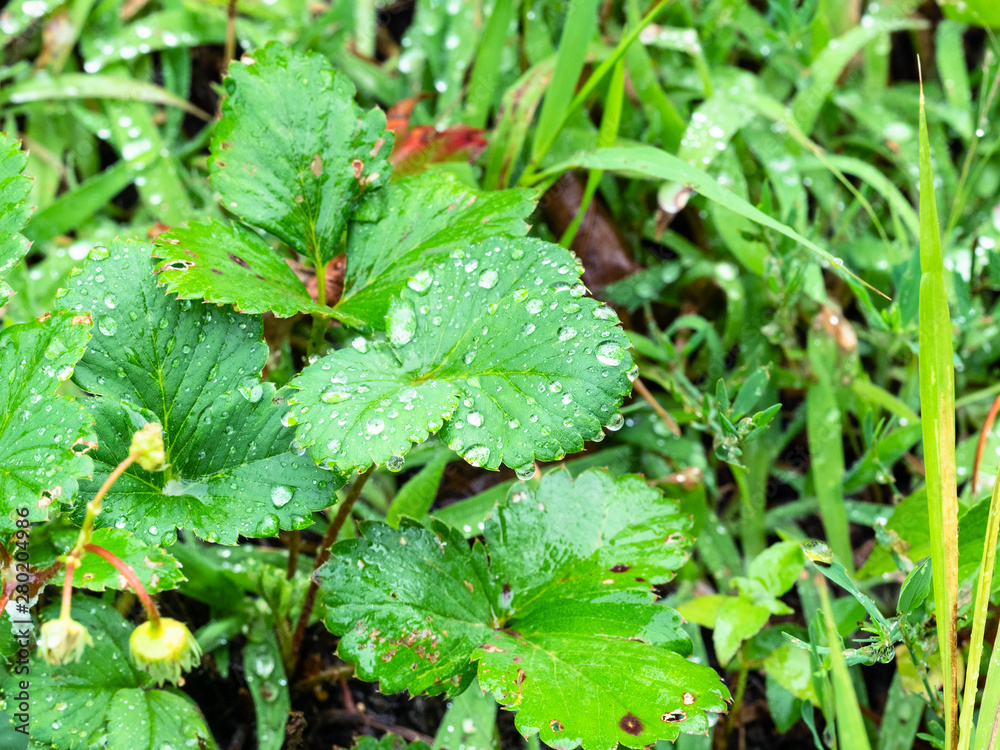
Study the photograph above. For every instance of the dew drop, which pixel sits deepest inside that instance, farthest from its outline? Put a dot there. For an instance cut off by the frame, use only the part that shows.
(281, 496)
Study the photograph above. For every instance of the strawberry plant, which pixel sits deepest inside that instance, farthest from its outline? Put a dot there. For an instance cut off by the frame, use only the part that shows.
(460, 326)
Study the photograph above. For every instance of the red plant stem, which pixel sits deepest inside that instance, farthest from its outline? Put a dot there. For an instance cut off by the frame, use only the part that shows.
(981, 444)
(332, 532)
(129, 575)
(76, 554)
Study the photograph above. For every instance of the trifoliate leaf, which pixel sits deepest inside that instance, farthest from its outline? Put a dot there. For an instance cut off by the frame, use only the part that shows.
(102, 700)
(293, 152)
(498, 340)
(560, 616)
(42, 435)
(231, 264)
(14, 210)
(195, 369)
(410, 224)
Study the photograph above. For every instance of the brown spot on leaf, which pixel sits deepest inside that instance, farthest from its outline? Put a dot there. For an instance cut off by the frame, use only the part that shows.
(555, 725)
(492, 648)
(631, 724)
(619, 568)
(674, 716)
(220, 163)
(358, 166)
(216, 270)
(316, 165)
(238, 261)
(81, 320)
(688, 699)
(517, 659)
(520, 676)
(469, 587)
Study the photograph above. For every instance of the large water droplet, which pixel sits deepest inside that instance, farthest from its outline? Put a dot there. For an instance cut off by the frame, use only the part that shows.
(610, 352)
(616, 422)
(375, 426)
(400, 322)
(421, 281)
(280, 496)
(488, 278)
(107, 325)
(395, 463)
(335, 397)
(477, 455)
(525, 471)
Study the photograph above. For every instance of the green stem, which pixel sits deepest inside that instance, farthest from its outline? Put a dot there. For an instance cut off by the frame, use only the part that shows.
(320, 322)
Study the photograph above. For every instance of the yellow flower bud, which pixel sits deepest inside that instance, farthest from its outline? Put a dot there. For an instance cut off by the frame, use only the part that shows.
(62, 641)
(147, 447)
(164, 649)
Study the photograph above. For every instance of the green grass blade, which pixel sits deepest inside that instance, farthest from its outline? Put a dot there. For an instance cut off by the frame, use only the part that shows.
(578, 32)
(851, 731)
(606, 137)
(826, 449)
(829, 64)
(980, 613)
(485, 71)
(646, 162)
(540, 147)
(937, 401)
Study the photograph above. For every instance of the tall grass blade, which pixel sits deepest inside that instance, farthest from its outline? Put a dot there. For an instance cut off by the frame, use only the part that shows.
(826, 449)
(937, 403)
(982, 608)
(851, 732)
(577, 34)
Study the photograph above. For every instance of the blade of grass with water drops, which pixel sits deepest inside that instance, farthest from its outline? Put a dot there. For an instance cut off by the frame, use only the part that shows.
(937, 401)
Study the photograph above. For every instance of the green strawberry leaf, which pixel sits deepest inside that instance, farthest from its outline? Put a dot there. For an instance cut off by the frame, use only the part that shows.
(562, 600)
(406, 226)
(195, 369)
(14, 188)
(498, 340)
(293, 152)
(231, 264)
(39, 430)
(157, 569)
(102, 700)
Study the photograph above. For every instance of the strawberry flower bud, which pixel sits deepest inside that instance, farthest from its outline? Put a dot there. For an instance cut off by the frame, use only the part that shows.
(62, 641)
(164, 649)
(147, 447)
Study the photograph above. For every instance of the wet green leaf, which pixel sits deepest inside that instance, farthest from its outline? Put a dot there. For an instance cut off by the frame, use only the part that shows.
(40, 432)
(498, 340)
(563, 600)
(220, 263)
(14, 209)
(103, 699)
(158, 570)
(403, 228)
(195, 369)
(293, 152)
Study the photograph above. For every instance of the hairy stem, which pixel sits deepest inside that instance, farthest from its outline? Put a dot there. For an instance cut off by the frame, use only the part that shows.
(86, 531)
(332, 532)
(129, 575)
